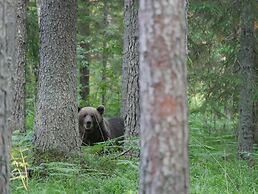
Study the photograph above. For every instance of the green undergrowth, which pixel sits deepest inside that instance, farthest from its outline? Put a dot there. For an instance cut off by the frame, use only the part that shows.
(104, 169)
(215, 168)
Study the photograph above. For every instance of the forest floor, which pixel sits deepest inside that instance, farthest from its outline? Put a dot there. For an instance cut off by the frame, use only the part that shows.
(214, 168)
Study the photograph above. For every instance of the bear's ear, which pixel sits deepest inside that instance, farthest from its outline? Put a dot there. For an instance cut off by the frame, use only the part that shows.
(101, 109)
(79, 109)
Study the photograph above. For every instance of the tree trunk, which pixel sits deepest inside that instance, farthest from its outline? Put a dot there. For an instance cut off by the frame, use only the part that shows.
(164, 131)
(18, 85)
(38, 2)
(56, 120)
(247, 48)
(186, 24)
(33, 49)
(130, 96)
(104, 54)
(84, 29)
(7, 42)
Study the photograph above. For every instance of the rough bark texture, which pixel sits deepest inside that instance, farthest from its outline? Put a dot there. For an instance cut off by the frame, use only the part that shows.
(164, 133)
(7, 45)
(247, 48)
(130, 102)
(84, 29)
(18, 81)
(56, 121)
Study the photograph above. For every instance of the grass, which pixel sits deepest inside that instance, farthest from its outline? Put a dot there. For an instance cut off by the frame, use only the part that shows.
(95, 171)
(214, 168)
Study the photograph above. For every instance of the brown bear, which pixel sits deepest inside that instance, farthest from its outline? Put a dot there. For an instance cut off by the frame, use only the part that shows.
(94, 128)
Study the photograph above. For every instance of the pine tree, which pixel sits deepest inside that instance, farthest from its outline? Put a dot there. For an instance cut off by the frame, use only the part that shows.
(56, 120)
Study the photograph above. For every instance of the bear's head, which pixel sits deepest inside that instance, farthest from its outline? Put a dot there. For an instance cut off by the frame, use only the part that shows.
(90, 119)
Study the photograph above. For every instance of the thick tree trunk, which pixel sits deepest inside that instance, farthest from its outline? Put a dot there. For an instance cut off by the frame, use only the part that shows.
(84, 29)
(56, 121)
(130, 102)
(18, 85)
(7, 46)
(164, 133)
(247, 48)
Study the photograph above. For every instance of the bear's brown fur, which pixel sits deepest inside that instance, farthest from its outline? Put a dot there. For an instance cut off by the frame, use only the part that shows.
(94, 128)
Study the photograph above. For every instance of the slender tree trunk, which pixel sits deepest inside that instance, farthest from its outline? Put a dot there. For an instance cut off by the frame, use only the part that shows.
(164, 133)
(84, 29)
(85, 75)
(186, 24)
(56, 121)
(35, 66)
(18, 85)
(130, 96)
(104, 53)
(247, 47)
(38, 2)
(7, 61)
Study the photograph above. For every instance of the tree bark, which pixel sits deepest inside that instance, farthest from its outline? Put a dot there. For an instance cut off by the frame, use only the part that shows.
(164, 131)
(56, 120)
(18, 85)
(7, 60)
(186, 5)
(130, 102)
(130, 81)
(247, 54)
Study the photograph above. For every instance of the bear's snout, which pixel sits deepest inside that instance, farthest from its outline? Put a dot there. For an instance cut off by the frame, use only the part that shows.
(88, 123)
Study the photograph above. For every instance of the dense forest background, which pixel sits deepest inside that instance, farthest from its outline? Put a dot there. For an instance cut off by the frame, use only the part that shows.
(97, 35)
(214, 84)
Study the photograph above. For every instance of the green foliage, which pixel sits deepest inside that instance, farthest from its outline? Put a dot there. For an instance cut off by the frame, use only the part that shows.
(98, 34)
(213, 55)
(103, 168)
(92, 14)
(215, 168)
(90, 172)
(213, 84)
(32, 61)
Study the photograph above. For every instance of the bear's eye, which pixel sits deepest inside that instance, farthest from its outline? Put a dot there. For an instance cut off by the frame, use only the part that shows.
(84, 115)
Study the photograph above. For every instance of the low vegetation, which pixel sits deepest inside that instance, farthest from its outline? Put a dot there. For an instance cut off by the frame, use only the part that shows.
(99, 169)
(105, 168)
